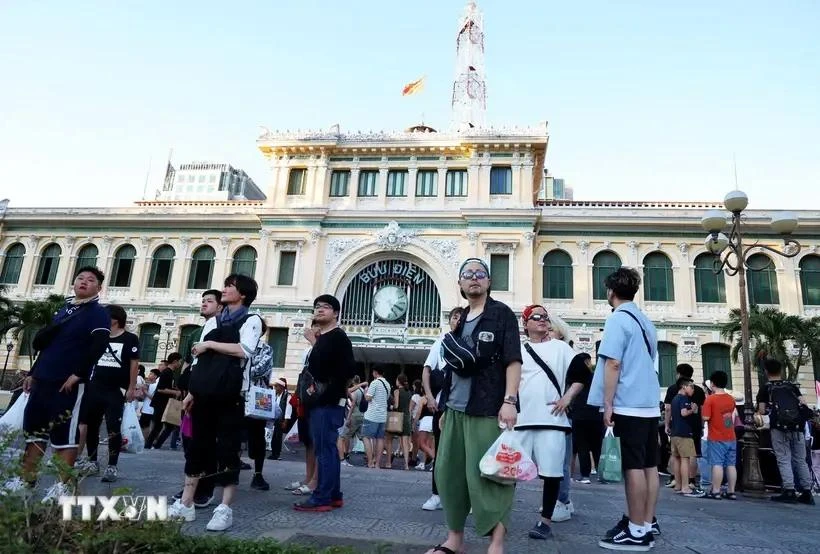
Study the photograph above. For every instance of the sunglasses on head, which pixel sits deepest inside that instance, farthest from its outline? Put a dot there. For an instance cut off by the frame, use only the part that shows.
(468, 274)
(538, 317)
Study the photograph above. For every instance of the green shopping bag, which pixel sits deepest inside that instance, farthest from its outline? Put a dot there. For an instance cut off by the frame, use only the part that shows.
(609, 466)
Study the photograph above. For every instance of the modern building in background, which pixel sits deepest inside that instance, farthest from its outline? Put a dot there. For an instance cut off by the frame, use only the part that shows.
(554, 189)
(208, 181)
(382, 221)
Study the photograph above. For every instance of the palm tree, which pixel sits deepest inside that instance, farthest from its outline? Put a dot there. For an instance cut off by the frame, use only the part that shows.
(32, 316)
(6, 312)
(770, 334)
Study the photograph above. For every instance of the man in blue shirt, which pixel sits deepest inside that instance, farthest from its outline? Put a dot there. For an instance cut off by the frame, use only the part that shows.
(68, 349)
(625, 385)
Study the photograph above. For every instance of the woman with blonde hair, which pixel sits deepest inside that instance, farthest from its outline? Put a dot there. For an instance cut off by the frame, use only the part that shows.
(559, 330)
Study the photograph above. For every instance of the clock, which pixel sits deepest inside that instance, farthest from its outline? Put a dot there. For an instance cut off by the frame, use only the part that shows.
(390, 303)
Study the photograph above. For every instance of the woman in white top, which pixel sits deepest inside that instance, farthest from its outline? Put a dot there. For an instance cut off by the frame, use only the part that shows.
(147, 409)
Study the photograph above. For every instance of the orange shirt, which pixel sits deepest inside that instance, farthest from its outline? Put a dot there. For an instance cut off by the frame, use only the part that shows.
(720, 409)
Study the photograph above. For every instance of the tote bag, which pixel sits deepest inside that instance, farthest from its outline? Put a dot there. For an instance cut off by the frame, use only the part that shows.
(173, 412)
(260, 404)
(609, 466)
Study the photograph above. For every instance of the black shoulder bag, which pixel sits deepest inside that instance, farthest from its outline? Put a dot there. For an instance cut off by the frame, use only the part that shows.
(645, 338)
(550, 375)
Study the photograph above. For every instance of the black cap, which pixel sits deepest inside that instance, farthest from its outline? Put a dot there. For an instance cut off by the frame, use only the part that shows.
(330, 300)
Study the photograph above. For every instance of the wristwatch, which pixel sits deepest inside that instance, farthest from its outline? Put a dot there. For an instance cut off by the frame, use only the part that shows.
(510, 400)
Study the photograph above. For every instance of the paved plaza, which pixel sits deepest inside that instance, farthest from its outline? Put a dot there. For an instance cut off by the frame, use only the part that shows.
(382, 513)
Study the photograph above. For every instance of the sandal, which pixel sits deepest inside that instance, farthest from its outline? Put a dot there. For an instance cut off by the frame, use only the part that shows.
(713, 496)
(729, 496)
(443, 549)
(302, 490)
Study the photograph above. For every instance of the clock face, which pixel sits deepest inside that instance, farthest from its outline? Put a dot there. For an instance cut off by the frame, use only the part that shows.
(390, 303)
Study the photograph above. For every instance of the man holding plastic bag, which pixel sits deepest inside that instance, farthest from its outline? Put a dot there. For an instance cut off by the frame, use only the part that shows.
(546, 392)
(483, 370)
(625, 385)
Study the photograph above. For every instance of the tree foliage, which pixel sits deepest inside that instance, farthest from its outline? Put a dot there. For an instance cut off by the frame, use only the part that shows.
(790, 339)
(23, 321)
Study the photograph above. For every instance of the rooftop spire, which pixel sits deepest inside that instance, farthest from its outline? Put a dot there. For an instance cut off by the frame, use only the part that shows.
(469, 102)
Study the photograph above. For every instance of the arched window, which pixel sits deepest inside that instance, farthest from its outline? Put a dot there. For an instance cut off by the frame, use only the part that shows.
(244, 261)
(709, 286)
(603, 264)
(715, 357)
(87, 256)
(557, 275)
(188, 335)
(162, 264)
(810, 280)
(49, 262)
(667, 362)
(148, 344)
(658, 284)
(123, 266)
(761, 280)
(12, 264)
(202, 267)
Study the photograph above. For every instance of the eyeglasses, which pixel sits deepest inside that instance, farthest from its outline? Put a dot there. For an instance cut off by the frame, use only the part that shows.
(538, 317)
(469, 275)
(322, 307)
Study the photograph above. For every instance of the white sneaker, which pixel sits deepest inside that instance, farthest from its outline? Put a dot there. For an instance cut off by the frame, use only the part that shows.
(221, 520)
(293, 486)
(346, 463)
(571, 507)
(561, 512)
(420, 467)
(55, 491)
(178, 510)
(433, 503)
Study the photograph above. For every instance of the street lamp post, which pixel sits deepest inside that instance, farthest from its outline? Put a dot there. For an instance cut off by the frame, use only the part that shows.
(9, 348)
(732, 257)
(169, 343)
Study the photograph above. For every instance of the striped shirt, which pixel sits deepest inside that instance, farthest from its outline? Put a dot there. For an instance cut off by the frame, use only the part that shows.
(377, 397)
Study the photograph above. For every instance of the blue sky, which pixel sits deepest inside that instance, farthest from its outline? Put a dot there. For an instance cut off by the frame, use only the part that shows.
(645, 100)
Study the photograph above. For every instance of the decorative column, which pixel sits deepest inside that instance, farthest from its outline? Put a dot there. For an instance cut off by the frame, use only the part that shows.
(483, 182)
(442, 181)
(262, 260)
(381, 186)
(473, 176)
(527, 166)
(104, 257)
(516, 170)
(182, 265)
(222, 263)
(353, 185)
(412, 172)
(63, 279)
(142, 265)
(582, 278)
(684, 274)
(321, 184)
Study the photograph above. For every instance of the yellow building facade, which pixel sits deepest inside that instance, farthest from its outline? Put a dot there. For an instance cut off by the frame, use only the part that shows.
(382, 221)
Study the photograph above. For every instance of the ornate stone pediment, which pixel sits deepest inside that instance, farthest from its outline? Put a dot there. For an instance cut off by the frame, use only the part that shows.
(393, 237)
(500, 247)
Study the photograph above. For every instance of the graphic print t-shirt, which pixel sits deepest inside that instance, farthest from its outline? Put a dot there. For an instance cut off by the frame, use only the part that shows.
(114, 366)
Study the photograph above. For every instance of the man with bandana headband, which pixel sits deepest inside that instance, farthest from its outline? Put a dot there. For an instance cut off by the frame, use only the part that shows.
(479, 397)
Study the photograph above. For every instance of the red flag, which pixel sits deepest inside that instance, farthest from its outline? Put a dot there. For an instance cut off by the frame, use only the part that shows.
(413, 88)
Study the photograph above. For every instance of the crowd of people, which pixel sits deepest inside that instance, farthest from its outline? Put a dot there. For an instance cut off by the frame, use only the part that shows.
(479, 380)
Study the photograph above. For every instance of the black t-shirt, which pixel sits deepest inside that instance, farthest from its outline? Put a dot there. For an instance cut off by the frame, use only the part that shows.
(165, 381)
(331, 363)
(113, 369)
(580, 373)
(698, 397)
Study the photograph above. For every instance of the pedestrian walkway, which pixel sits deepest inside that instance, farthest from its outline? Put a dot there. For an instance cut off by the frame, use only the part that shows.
(387, 511)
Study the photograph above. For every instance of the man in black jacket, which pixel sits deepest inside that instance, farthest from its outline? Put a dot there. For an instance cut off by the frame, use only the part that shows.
(480, 400)
(331, 364)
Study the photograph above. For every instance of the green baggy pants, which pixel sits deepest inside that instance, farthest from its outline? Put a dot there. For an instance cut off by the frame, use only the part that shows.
(464, 440)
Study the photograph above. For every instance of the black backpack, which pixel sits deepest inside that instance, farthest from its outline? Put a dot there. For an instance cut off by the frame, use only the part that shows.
(785, 407)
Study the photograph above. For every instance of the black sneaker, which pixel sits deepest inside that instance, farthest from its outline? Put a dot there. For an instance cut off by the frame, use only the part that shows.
(620, 526)
(541, 531)
(656, 529)
(626, 541)
(203, 501)
(244, 466)
(787, 497)
(806, 498)
(258, 482)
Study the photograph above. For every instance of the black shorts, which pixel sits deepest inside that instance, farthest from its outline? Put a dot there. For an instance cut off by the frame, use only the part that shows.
(216, 428)
(145, 420)
(639, 441)
(53, 416)
(303, 428)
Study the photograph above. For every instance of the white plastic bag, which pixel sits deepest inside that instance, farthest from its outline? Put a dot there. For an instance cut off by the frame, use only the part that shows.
(12, 420)
(506, 462)
(260, 404)
(132, 439)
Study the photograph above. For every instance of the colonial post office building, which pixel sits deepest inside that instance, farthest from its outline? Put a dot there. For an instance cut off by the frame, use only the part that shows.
(382, 221)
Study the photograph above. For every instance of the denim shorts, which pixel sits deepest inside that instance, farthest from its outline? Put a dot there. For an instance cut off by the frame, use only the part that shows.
(373, 430)
(722, 453)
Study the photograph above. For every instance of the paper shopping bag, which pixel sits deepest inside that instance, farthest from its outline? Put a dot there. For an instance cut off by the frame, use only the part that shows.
(609, 466)
(173, 412)
(506, 462)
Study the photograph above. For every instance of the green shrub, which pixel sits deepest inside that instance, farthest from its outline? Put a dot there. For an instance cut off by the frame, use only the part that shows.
(27, 526)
